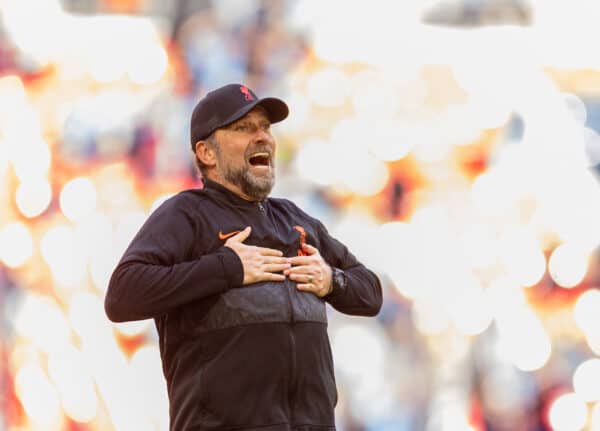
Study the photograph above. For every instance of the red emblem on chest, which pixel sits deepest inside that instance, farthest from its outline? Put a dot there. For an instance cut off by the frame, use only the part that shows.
(301, 251)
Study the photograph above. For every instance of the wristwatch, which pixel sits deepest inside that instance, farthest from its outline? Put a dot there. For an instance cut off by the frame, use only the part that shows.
(338, 280)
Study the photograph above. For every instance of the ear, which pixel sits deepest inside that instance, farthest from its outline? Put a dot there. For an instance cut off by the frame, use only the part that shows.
(205, 153)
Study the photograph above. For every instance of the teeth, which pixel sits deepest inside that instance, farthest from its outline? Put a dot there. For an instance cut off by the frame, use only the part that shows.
(263, 155)
(260, 155)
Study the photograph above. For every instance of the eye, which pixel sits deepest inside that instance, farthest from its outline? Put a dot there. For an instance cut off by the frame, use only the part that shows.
(266, 126)
(241, 128)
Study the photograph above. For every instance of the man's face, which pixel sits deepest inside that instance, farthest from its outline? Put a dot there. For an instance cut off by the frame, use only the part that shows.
(246, 155)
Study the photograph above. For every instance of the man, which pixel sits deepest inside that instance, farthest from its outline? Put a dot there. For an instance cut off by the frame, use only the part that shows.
(237, 283)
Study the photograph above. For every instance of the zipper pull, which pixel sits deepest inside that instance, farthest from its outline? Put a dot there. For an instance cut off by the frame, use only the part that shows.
(261, 207)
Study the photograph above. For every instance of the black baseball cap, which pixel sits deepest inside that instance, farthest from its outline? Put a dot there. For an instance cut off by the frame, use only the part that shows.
(227, 104)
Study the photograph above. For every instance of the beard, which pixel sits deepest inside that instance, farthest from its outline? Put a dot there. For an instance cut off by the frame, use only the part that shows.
(256, 187)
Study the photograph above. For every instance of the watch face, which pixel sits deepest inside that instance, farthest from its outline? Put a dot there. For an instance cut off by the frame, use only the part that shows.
(338, 278)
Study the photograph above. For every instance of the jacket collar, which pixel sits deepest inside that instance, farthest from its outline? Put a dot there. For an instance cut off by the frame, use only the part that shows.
(223, 194)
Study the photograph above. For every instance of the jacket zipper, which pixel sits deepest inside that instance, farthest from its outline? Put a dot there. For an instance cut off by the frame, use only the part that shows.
(263, 211)
(292, 388)
(287, 287)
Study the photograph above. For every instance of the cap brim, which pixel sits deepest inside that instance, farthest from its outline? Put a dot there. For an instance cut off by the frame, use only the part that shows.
(276, 109)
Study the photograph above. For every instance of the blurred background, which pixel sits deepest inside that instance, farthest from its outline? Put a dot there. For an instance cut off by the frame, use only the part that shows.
(453, 145)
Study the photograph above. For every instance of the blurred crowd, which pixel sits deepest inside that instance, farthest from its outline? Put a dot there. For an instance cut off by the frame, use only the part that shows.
(453, 146)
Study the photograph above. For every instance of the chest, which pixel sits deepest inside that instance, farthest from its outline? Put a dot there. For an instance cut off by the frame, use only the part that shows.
(272, 227)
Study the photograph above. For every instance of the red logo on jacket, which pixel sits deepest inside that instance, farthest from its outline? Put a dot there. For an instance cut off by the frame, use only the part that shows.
(301, 251)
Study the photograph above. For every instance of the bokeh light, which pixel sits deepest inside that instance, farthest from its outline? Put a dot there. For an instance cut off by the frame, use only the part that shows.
(595, 417)
(48, 19)
(78, 198)
(146, 368)
(371, 96)
(60, 252)
(567, 413)
(16, 244)
(364, 174)
(391, 141)
(568, 265)
(585, 312)
(38, 396)
(126, 228)
(69, 372)
(471, 312)
(586, 380)
(133, 329)
(360, 348)
(593, 342)
(523, 340)
(41, 319)
(30, 156)
(592, 146)
(149, 65)
(33, 197)
(522, 256)
(86, 316)
(13, 94)
(431, 316)
(312, 162)
(328, 88)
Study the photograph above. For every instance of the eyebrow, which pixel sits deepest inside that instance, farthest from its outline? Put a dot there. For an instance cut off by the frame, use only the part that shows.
(247, 121)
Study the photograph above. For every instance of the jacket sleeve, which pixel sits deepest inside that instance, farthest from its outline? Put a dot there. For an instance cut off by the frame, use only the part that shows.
(157, 274)
(362, 295)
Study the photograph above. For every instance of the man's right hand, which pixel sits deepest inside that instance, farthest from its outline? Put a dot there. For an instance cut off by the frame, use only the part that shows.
(259, 263)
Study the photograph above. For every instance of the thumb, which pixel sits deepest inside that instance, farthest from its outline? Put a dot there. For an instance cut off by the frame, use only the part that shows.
(309, 249)
(241, 237)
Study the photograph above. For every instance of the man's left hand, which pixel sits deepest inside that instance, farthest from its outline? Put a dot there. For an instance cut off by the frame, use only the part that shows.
(311, 273)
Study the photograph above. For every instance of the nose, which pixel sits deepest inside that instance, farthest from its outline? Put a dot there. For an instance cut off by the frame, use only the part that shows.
(264, 136)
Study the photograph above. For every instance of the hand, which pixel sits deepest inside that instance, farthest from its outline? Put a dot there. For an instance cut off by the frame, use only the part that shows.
(311, 272)
(259, 263)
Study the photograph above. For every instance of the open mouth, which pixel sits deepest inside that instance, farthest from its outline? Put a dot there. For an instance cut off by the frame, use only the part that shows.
(260, 159)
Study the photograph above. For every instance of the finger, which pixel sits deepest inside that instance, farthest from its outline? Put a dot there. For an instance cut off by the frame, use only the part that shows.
(308, 279)
(301, 260)
(309, 249)
(275, 267)
(277, 259)
(242, 236)
(302, 270)
(269, 251)
(307, 287)
(303, 278)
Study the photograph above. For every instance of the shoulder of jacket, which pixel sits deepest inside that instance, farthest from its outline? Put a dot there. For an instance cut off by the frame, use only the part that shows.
(284, 203)
(185, 200)
(292, 207)
(191, 195)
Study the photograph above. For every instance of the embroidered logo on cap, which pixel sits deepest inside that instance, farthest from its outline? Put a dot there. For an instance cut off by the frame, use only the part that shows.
(246, 92)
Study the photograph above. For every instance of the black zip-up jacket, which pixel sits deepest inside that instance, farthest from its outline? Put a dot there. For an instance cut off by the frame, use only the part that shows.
(254, 357)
